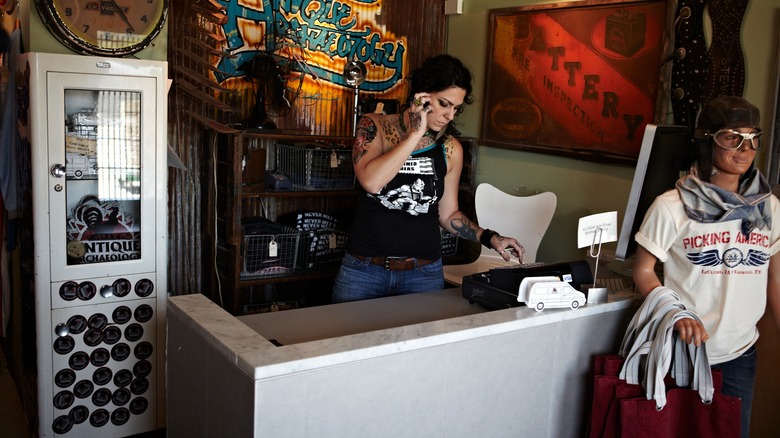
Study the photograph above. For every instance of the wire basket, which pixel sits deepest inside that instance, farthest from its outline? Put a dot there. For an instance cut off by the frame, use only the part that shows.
(269, 255)
(316, 166)
(80, 152)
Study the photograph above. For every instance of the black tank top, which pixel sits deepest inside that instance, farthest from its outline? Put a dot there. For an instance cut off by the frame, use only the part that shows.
(402, 220)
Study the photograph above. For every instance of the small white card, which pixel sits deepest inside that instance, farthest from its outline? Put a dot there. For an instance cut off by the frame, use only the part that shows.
(589, 225)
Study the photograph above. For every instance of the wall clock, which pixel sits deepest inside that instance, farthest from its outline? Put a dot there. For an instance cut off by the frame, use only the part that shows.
(104, 27)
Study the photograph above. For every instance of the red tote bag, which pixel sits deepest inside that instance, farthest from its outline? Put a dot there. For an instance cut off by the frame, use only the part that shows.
(685, 415)
(608, 390)
(621, 409)
(658, 386)
(698, 409)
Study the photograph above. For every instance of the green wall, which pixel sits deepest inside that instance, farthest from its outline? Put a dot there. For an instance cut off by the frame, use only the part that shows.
(584, 187)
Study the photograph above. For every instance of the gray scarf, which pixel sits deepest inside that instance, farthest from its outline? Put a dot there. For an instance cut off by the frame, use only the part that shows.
(706, 202)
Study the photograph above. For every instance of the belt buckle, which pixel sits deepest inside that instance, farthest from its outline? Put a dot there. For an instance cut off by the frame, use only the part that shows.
(392, 259)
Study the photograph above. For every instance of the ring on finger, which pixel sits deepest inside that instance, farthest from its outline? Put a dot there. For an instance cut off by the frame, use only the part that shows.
(417, 101)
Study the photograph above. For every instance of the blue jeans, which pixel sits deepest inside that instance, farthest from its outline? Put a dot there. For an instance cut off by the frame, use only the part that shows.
(738, 377)
(361, 280)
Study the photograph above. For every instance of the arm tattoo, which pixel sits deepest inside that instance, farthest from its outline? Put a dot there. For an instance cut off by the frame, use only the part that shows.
(464, 228)
(365, 133)
(426, 141)
(415, 120)
(390, 131)
(448, 148)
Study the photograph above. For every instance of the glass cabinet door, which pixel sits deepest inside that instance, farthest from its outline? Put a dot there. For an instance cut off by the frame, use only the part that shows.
(102, 207)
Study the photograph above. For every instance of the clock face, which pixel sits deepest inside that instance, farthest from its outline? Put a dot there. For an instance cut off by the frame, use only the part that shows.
(104, 27)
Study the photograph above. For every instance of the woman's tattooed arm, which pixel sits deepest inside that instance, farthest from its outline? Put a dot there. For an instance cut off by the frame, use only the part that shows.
(365, 133)
(464, 228)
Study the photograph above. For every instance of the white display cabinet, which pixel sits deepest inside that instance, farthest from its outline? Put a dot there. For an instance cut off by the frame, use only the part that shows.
(96, 132)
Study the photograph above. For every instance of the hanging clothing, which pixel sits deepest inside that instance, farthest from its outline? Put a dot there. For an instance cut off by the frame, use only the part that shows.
(9, 132)
(9, 179)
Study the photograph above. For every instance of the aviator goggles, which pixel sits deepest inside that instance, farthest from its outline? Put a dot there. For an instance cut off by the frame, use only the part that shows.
(732, 140)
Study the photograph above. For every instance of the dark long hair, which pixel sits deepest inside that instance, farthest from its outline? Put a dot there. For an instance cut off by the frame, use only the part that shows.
(440, 73)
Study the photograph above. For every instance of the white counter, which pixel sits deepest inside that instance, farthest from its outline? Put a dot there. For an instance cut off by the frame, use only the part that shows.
(416, 365)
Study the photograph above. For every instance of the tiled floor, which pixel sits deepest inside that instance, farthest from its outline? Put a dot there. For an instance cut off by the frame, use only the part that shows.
(13, 423)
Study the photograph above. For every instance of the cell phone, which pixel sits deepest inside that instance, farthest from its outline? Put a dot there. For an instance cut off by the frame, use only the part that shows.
(426, 105)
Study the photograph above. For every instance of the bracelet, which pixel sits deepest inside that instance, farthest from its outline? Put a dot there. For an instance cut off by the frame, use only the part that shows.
(486, 237)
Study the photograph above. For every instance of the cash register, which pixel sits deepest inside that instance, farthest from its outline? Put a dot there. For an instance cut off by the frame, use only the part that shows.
(497, 288)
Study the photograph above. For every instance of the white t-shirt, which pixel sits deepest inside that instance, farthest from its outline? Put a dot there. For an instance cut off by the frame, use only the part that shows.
(718, 273)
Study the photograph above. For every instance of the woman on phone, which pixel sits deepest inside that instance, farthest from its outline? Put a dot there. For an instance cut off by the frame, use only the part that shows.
(408, 168)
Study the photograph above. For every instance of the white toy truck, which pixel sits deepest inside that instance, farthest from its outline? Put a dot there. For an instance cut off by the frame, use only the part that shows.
(548, 292)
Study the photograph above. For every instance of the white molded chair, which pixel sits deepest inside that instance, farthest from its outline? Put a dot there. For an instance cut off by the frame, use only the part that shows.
(525, 218)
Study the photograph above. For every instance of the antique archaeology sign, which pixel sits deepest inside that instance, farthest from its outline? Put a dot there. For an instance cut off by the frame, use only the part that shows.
(101, 232)
(579, 81)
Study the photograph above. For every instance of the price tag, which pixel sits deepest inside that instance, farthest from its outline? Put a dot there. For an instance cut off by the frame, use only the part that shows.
(80, 145)
(272, 248)
(334, 159)
(332, 241)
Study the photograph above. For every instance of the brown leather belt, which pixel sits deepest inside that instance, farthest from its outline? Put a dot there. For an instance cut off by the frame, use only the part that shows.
(395, 263)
